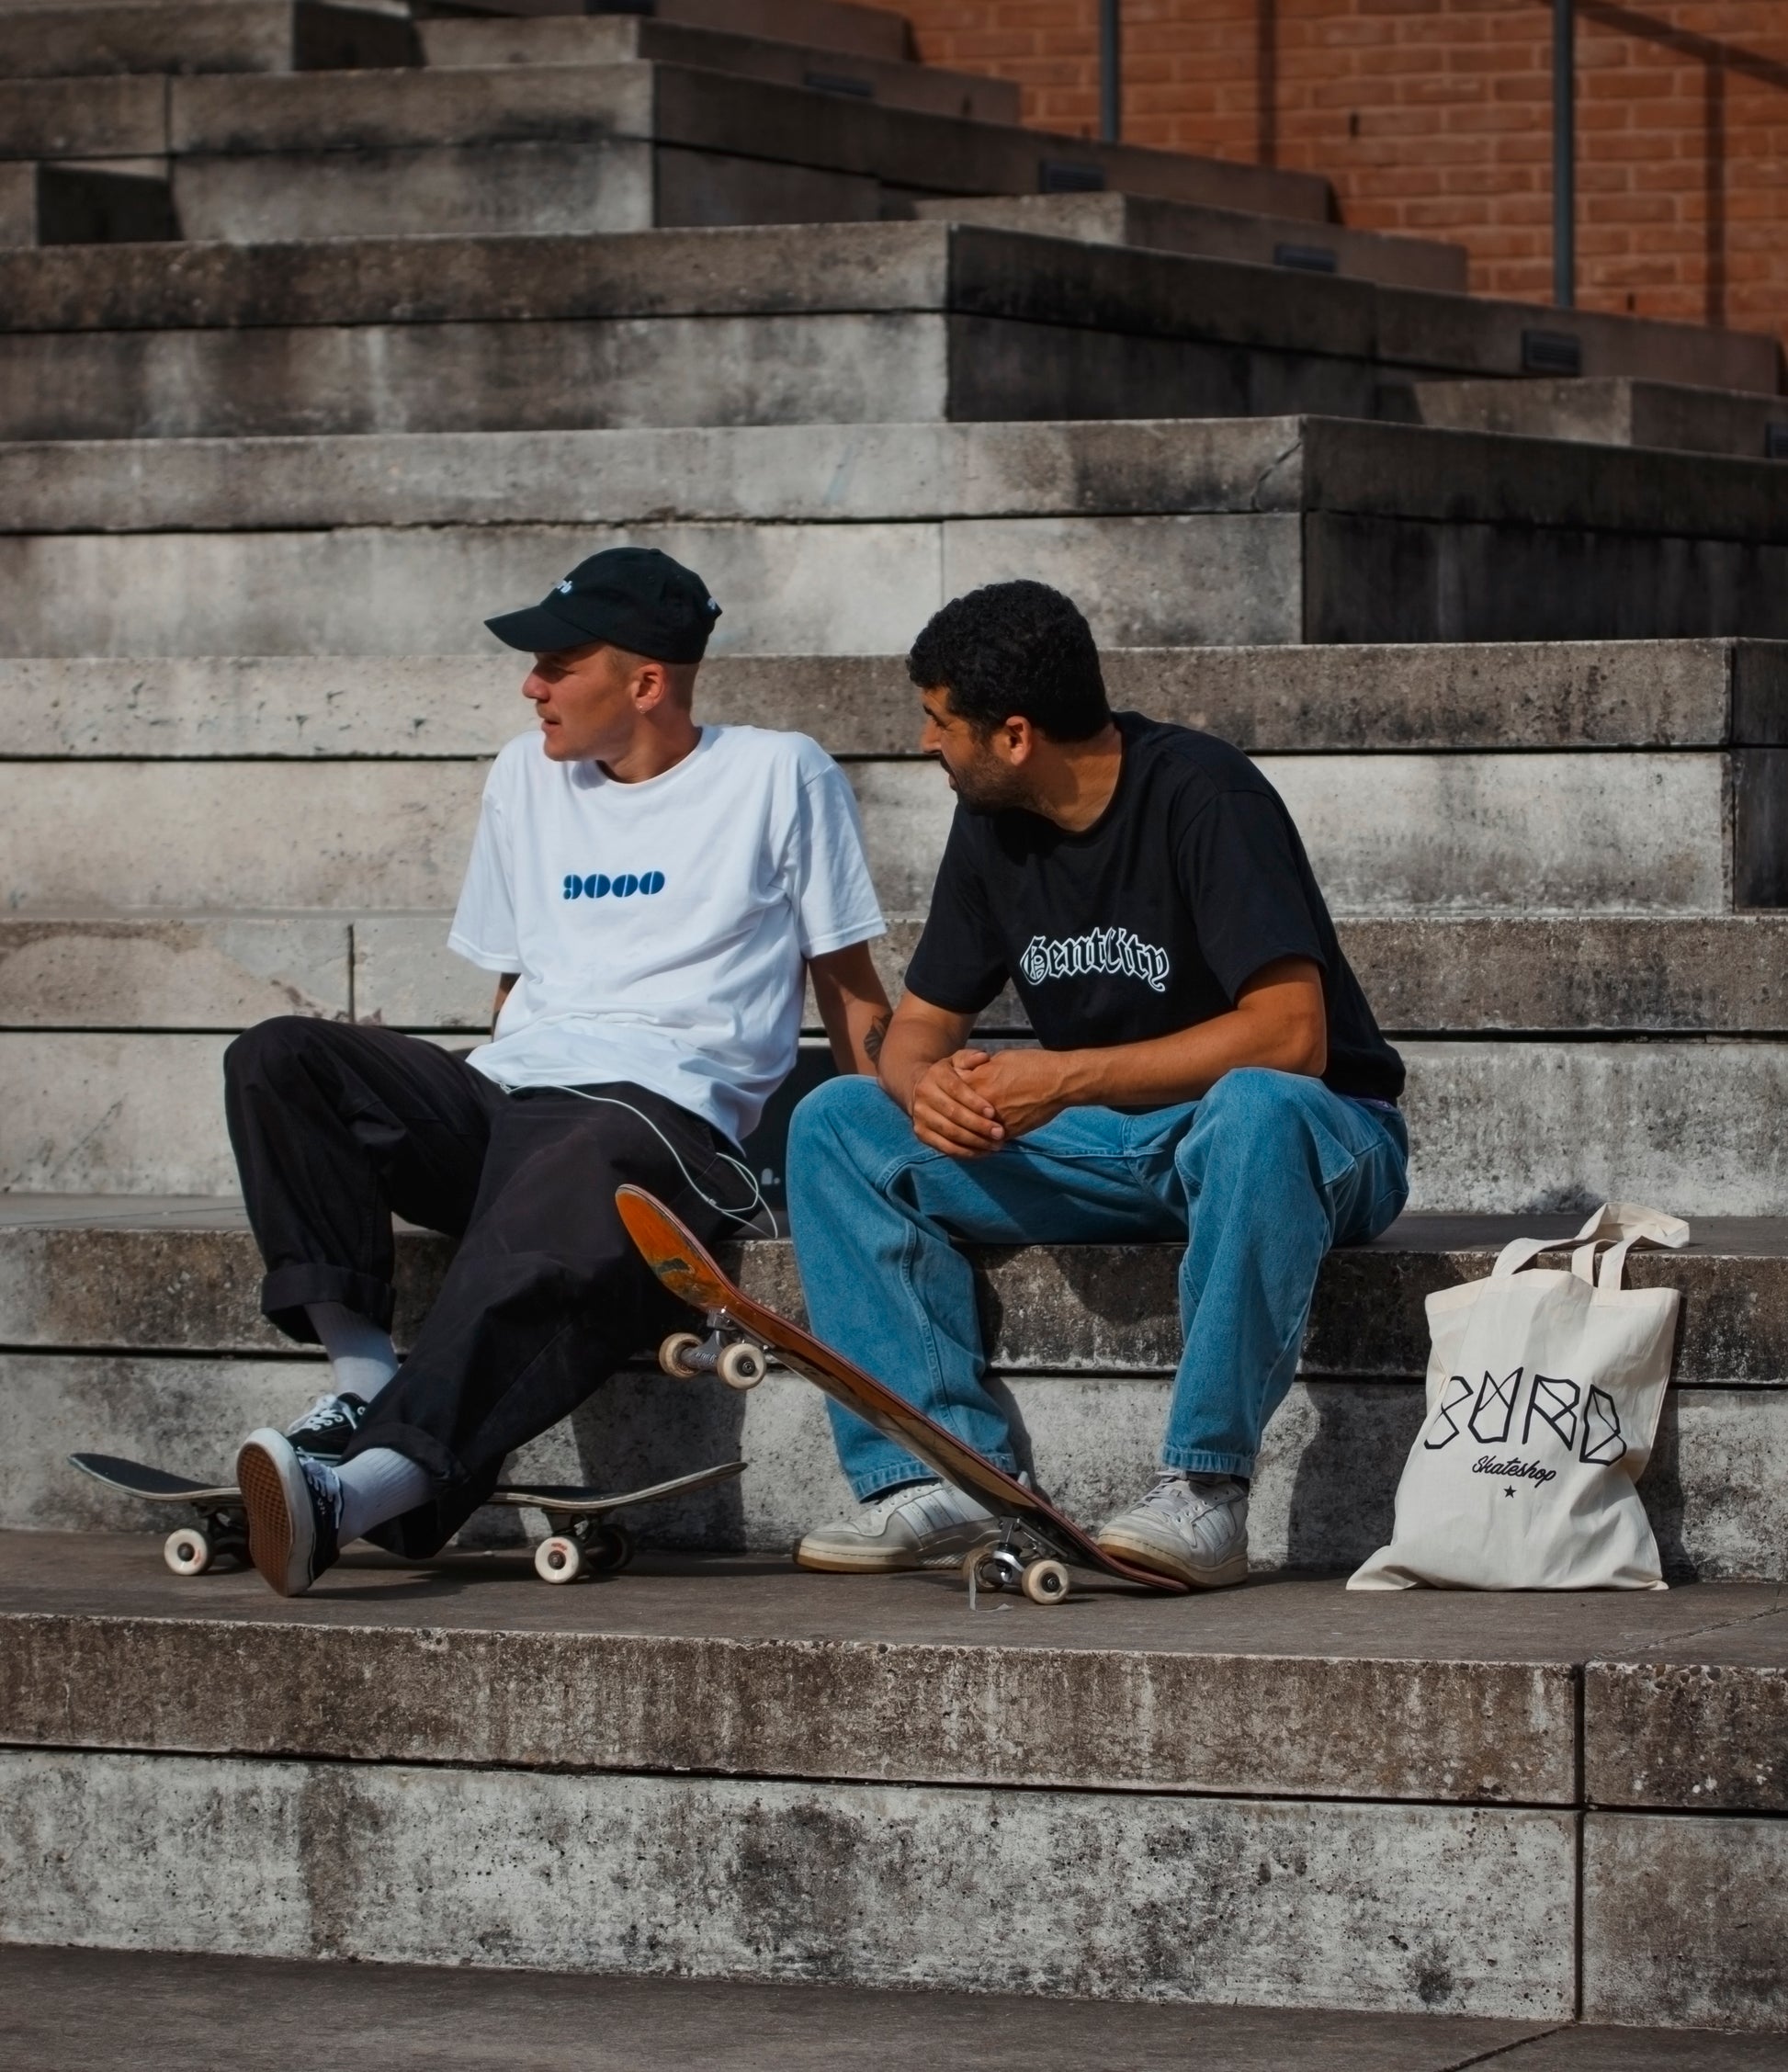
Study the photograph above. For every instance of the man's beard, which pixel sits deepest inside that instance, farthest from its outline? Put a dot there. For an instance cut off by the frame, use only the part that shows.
(985, 791)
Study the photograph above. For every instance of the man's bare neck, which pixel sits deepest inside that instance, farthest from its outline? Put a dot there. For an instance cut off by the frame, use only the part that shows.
(1079, 779)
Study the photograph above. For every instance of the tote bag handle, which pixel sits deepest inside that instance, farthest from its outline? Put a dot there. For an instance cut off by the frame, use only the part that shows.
(1619, 1224)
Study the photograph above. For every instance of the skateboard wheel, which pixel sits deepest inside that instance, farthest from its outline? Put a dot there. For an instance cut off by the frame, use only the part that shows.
(673, 1351)
(188, 1551)
(1046, 1583)
(742, 1365)
(559, 1559)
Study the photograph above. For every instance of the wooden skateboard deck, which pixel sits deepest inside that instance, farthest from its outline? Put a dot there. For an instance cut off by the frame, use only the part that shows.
(577, 1545)
(689, 1269)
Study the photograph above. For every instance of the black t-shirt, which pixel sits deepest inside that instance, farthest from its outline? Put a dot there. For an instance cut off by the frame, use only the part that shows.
(1151, 920)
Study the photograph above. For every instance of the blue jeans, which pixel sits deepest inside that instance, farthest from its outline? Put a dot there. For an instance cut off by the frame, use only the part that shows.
(1260, 1177)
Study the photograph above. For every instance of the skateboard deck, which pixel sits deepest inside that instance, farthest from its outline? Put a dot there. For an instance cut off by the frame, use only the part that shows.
(580, 1542)
(1031, 1535)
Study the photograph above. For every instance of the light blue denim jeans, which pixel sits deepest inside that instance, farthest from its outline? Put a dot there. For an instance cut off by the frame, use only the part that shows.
(1260, 1177)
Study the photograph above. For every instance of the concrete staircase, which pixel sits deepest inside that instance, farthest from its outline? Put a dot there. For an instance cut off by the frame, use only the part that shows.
(1499, 597)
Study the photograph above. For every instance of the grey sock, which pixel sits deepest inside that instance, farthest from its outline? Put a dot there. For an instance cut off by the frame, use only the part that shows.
(362, 1358)
(381, 1483)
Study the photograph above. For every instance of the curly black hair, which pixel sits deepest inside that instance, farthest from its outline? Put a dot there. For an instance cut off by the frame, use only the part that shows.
(1014, 648)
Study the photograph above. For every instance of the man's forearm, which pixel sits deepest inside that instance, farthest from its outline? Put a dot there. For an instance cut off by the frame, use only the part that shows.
(1183, 1067)
(909, 1050)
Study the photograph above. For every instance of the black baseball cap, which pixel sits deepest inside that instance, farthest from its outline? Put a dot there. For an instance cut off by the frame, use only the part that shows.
(634, 596)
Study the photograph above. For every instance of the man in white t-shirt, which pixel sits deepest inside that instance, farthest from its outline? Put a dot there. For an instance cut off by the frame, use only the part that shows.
(650, 892)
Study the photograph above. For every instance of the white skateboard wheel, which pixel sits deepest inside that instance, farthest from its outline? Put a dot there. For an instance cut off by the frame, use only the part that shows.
(741, 1366)
(1046, 1583)
(559, 1559)
(672, 1351)
(188, 1551)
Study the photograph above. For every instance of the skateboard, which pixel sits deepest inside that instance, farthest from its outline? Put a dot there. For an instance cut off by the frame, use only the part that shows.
(581, 1539)
(1031, 1545)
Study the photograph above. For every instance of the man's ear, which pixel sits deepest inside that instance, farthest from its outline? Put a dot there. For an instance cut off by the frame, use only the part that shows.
(649, 685)
(1019, 738)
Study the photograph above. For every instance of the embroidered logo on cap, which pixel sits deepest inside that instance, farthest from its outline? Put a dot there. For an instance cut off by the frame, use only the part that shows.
(564, 589)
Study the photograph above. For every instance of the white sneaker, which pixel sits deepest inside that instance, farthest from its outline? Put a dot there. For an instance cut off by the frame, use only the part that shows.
(1194, 1527)
(924, 1525)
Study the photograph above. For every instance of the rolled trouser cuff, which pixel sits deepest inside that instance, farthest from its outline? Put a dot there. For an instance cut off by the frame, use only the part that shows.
(286, 1293)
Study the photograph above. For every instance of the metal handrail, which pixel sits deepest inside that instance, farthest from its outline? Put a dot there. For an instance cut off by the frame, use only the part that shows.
(1563, 154)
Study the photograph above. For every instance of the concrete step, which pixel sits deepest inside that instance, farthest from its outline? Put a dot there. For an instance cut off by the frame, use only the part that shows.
(835, 323)
(1559, 696)
(63, 42)
(1635, 833)
(837, 26)
(1263, 531)
(1499, 1125)
(1517, 975)
(1215, 233)
(1613, 410)
(368, 153)
(702, 1759)
(453, 2019)
(594, 39)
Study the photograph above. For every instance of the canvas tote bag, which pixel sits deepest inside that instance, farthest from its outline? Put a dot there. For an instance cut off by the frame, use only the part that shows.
(1544, 1389)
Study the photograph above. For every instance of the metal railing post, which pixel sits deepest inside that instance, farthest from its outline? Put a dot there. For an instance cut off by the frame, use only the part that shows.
(1563, 154)
(1111, 72)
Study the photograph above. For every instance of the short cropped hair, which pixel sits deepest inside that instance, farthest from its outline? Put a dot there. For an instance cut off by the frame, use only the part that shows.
(1014, 648)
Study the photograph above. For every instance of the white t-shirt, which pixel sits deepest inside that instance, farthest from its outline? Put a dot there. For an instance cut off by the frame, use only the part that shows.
(659, 928)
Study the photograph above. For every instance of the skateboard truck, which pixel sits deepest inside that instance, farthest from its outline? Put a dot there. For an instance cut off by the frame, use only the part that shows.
(1017, 1560)
(740, 1362)
(219, 1535)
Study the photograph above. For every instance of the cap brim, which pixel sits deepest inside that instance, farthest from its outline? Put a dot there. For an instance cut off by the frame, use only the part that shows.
(536, 631)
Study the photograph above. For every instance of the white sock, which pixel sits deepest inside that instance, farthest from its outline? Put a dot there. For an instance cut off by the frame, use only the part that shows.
(362, 1358)
(378, 1484)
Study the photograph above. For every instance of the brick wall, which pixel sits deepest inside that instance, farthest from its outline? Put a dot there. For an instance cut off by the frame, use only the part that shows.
(1435, 115)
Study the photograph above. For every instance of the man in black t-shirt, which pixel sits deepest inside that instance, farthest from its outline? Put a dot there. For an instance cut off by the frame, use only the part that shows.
(1207, 1068)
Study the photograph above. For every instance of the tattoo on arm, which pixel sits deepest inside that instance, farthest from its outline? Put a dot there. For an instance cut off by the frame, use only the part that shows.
(873, 1036)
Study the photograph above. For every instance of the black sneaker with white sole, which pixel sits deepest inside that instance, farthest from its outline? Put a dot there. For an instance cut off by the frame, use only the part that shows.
(294, 1506)
(325, 1429)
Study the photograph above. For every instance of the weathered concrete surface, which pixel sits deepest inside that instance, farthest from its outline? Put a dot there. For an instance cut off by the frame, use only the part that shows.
(1707, 1736)
(1183, 1719)
(1497, 1127)
(829, 474)
(1508, 1128)
(1274, 700)
(1579, 833)
(1322, 1496)
(1462, 976)
(828, 590)
(57, 42)
(1211, 233)
(163, 2013)
(1685, 1920)
(1401, 1909)
(585, 40)
(1297, 322)
(151, 1274)
(1613, 410)
(83, 119)
(224, 971)
(700, 110)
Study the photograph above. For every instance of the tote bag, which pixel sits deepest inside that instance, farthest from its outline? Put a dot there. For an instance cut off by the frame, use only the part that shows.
(1544, 1390)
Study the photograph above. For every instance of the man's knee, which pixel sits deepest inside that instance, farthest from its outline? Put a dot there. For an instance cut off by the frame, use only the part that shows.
(841, 1116)
(266, 1053)
(1256, 1108)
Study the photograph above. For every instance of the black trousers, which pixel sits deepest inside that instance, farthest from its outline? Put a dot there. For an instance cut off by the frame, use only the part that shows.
(337, 1128)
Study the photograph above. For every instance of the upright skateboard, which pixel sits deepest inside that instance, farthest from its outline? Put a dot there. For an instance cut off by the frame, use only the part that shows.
(1031, 1545)
(580, 1542)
